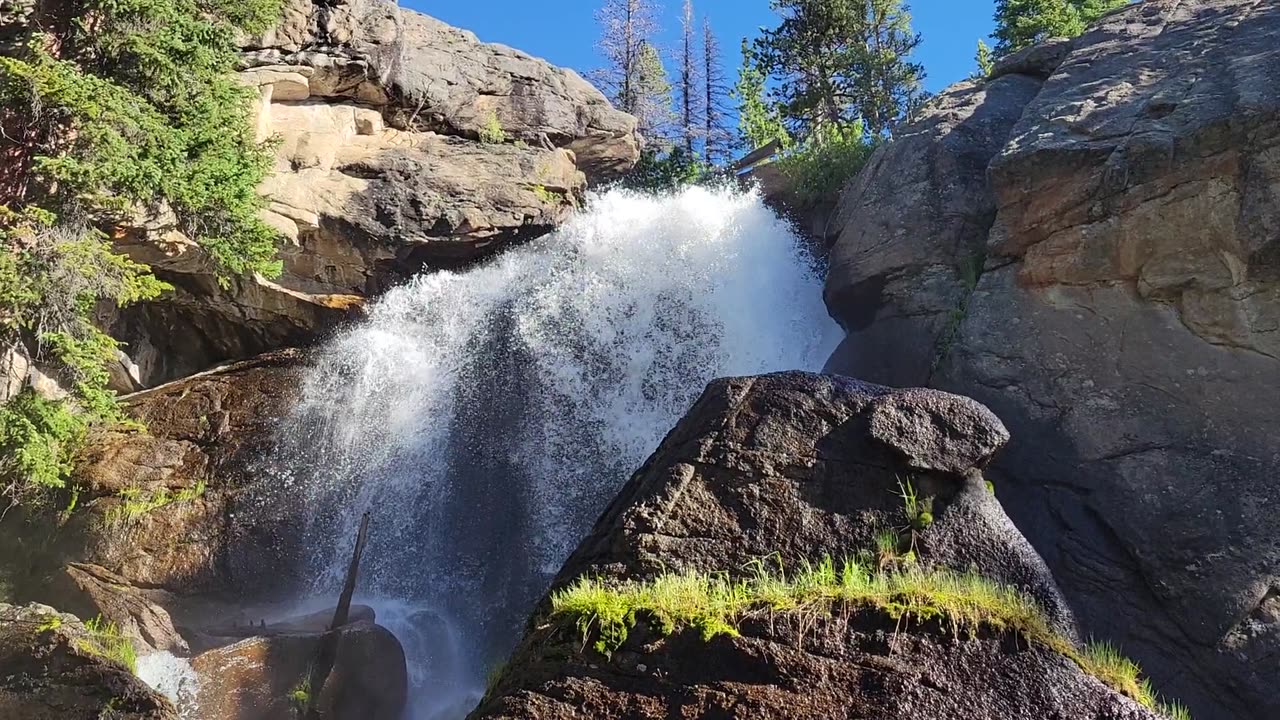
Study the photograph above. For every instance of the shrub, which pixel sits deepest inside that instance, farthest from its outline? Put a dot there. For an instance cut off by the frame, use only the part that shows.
(820, 166)
(491, 132)
(658, 172)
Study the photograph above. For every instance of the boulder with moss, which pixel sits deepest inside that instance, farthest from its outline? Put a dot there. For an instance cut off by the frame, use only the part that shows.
(53, 667)
(724, 533)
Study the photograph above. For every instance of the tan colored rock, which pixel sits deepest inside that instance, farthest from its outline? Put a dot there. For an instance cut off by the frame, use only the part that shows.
(95, 592)
(375, 111)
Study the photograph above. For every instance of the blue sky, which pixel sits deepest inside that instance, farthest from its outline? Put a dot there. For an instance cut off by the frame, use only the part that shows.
(564, 31)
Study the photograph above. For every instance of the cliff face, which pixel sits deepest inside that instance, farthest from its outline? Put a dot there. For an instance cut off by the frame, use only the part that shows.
(403, 143)
(1089, 243)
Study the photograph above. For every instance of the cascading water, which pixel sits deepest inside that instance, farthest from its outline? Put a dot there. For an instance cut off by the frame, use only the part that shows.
(486, 417)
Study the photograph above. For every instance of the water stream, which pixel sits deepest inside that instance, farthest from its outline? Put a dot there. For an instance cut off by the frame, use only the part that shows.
(486, 417)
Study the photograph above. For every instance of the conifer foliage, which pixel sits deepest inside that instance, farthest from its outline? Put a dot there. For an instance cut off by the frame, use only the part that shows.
(112, 110)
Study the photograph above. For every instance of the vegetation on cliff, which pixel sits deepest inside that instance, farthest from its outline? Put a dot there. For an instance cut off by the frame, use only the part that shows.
(715, 604)
(116, 114)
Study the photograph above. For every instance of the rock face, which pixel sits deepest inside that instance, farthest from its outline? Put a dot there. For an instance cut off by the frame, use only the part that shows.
(796, 466)
(378, 113)
(199, 462)
(1093, 250)
(256, 679)
(46, 673)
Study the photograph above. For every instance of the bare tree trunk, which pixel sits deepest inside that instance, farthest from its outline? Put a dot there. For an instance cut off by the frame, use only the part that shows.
(328, 653)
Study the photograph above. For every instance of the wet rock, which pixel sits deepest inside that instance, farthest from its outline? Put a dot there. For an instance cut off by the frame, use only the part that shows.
(49, 672)
(95, 592)
(259, 678)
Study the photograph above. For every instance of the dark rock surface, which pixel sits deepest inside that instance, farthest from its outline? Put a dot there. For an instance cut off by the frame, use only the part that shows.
(207, 431)
(1125, 322)
(794, 466)
(46, 673)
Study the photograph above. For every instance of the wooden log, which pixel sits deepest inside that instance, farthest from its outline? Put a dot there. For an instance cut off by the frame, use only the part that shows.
(328, 652)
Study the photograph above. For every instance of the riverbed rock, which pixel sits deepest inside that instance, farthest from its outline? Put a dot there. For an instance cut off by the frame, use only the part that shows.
(381, 169)
(1125, 321)
(259, 678)
(784, 469)
(48, 671)
(93, 591)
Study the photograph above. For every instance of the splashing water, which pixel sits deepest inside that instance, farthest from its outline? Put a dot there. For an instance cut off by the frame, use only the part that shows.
(487, 417)
(172, 677)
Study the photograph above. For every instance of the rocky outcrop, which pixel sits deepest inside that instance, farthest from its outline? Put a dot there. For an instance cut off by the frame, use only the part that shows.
(266, 678)
(171, 510)
(791, 467)
(378, 114)
(1099, 262)
(50, 670)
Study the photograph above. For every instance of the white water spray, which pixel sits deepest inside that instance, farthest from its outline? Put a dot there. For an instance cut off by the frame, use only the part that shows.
(486, 417)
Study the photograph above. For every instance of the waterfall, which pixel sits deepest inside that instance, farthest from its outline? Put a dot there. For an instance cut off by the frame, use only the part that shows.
(486, 417)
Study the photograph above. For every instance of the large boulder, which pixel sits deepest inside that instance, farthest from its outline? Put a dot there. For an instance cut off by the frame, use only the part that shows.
(1124, 319)
(268, 677)
(53, 668)
(386, 162)
(788, 468)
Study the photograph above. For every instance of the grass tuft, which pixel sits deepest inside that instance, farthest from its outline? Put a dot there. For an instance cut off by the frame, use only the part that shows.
(105, 640)
(714, 604)
(135, 503)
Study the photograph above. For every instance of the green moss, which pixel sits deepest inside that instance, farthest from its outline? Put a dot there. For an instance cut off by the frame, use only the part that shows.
(715, 604)
(545, 196)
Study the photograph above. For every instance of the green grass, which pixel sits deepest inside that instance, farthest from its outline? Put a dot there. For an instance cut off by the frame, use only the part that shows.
(105, 640)
(714, 605)
(135, 503)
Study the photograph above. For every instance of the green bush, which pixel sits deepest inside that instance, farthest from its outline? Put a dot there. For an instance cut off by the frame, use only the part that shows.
(38, 440)
(820, 166)
(491, 132)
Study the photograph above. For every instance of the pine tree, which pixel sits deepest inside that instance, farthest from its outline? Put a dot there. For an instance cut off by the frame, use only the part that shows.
(691, 117)
(1021, 23)
(759, 121)
(627, 27)
(716, 137)
(986, 62)
(837, 61)
(635, 79)
(652, 102)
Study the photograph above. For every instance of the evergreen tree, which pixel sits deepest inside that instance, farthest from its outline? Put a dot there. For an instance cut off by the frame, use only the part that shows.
(717, 139)
(1021, 23)
(652, 104)
(759, 121)
(691, 96)
(837, 61)
(985, 60)
(109, 109)
(634, 79)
